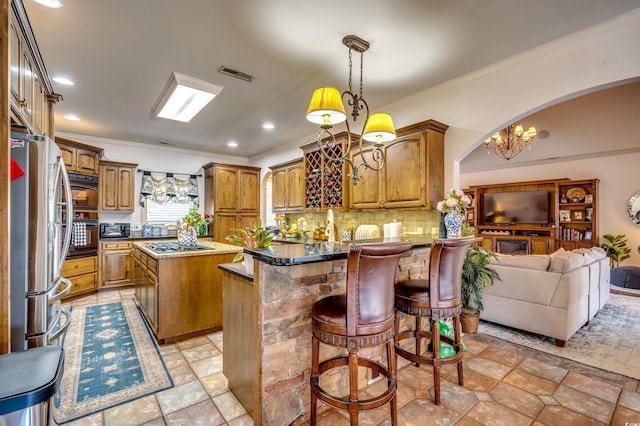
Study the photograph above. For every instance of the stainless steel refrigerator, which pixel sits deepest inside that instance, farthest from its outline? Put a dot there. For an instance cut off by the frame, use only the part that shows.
(40, 232)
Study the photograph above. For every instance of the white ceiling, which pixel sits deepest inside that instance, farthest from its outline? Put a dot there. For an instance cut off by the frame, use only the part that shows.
(120, 53)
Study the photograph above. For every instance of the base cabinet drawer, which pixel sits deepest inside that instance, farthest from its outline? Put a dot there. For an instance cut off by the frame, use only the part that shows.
(84, 283)
(84, 265)
(83, 274)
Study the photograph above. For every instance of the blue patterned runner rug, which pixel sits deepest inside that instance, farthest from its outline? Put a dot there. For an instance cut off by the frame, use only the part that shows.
(110, 358)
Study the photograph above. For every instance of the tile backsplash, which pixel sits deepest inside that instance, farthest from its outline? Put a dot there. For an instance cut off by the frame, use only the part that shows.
(424, 222)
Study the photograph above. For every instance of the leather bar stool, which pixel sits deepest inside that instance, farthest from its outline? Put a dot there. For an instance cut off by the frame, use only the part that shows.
(361, 318)
(434, 299)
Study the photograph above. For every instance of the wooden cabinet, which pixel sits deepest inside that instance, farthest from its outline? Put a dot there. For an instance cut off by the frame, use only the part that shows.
(413, 174)
(80, 158)
(116, 264)
(179, 295)
(83, 274)
(326, 182)
(578, 214)
(572, 220)
(31, 91)
(145, 278)
(232, 197)
(287, 187)
(117, 190)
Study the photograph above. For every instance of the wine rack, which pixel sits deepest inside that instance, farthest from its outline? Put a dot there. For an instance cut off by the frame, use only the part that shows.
(324, 181)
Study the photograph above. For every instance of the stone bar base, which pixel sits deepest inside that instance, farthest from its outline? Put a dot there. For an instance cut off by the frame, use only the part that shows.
(286, 295)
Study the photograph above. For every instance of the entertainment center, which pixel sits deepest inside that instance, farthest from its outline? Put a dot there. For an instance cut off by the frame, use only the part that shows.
(535, 217)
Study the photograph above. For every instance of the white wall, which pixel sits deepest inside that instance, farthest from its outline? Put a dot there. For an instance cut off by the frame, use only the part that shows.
(619, 180)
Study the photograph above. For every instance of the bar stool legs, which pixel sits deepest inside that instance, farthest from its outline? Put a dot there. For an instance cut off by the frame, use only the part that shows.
(432, 300)
(361, 319)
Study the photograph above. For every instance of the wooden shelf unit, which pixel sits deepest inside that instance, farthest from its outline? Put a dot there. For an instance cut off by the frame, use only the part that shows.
(540, 238)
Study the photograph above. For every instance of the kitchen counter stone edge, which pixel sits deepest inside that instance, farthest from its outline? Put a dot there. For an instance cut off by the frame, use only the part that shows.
(321, 251)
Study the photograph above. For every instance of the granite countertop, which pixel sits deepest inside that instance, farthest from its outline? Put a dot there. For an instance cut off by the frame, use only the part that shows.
(212, 247)
(137, 235)
(319, 251)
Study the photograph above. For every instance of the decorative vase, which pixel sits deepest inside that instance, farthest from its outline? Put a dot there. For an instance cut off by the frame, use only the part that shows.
(453, 223)
(203, 230)
(187, 235)
(248, 263)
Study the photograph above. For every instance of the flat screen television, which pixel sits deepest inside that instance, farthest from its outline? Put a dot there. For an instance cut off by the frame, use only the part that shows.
(523, 207)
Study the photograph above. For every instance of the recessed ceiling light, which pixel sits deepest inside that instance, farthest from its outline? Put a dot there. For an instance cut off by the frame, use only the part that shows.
(232, 144)
(54, 4)
(72, 117)
(63, 80)
(268, 126)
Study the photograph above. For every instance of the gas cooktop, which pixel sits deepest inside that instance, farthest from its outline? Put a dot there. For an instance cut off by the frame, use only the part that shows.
(174, 247)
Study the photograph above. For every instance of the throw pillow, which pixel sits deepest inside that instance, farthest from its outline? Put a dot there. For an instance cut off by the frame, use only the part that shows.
(566, 262)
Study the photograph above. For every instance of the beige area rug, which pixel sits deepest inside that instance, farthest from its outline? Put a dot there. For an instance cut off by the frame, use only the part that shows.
(611, 340)
(110, 358)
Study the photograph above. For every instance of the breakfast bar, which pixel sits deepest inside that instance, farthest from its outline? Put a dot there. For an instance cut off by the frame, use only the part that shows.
(267, 321)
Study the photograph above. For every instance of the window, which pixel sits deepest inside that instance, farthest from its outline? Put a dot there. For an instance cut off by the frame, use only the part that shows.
(168, 213)
(270, 217)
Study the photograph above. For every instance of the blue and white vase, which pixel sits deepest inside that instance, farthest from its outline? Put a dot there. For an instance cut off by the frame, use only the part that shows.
(187, 235)
(453, 223)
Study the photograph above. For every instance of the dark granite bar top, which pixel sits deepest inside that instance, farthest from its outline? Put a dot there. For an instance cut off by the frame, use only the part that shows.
(298, 254)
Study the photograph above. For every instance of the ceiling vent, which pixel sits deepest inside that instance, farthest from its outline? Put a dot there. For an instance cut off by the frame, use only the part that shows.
(236, 73)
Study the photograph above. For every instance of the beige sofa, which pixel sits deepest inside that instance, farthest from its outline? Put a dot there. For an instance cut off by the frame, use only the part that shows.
(552, 295)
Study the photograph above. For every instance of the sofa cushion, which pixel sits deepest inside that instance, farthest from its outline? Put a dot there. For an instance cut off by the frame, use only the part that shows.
(565, 262)
(591, 254)
(538, 262)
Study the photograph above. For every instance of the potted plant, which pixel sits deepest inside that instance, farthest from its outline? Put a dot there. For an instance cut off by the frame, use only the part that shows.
(196, 220)
(616, 249)
(253, 238)
(476, 276)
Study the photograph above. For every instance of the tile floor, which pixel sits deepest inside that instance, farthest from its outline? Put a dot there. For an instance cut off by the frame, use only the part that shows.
(505, 384)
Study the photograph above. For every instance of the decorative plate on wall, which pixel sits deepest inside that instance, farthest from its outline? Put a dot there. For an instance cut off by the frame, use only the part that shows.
(576, 194)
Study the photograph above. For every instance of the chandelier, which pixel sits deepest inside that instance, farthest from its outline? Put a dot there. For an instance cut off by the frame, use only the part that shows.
(509, 142)
(327, 109)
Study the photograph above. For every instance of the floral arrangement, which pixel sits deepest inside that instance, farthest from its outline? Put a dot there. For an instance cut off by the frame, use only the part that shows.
(194, 218)
(457, 202)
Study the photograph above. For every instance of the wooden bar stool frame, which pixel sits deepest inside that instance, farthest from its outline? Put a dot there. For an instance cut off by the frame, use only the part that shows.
(434, 299)
(377, 264)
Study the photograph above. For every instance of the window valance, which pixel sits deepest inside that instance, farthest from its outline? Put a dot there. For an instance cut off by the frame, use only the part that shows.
(165, 187)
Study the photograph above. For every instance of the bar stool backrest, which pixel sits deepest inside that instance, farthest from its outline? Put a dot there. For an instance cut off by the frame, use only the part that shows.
(371, 271)
(445, 271)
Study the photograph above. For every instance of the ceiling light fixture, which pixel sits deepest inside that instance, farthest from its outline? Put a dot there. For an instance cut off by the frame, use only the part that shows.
(232, 144)
(72, 117)
(54, 4)
(510, 141)
(183, 97)
(268, 126)
(327, 109)
(64, 81)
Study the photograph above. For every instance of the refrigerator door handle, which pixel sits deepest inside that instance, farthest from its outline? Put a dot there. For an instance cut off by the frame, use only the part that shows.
(54, 295)
(69, 227)
(53, 337)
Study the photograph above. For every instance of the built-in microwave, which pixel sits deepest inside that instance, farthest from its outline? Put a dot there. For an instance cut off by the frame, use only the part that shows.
(115, 230)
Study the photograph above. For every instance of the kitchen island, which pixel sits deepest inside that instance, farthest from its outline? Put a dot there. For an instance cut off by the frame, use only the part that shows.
(180, 293)
(267, 321)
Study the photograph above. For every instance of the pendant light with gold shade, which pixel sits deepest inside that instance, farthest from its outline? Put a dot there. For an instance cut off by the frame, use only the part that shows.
(327, 109)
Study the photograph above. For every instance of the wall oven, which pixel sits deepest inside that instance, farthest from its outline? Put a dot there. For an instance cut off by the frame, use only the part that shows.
(85, 232)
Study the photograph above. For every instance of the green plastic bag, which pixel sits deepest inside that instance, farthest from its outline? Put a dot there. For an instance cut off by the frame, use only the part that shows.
(446, 350)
